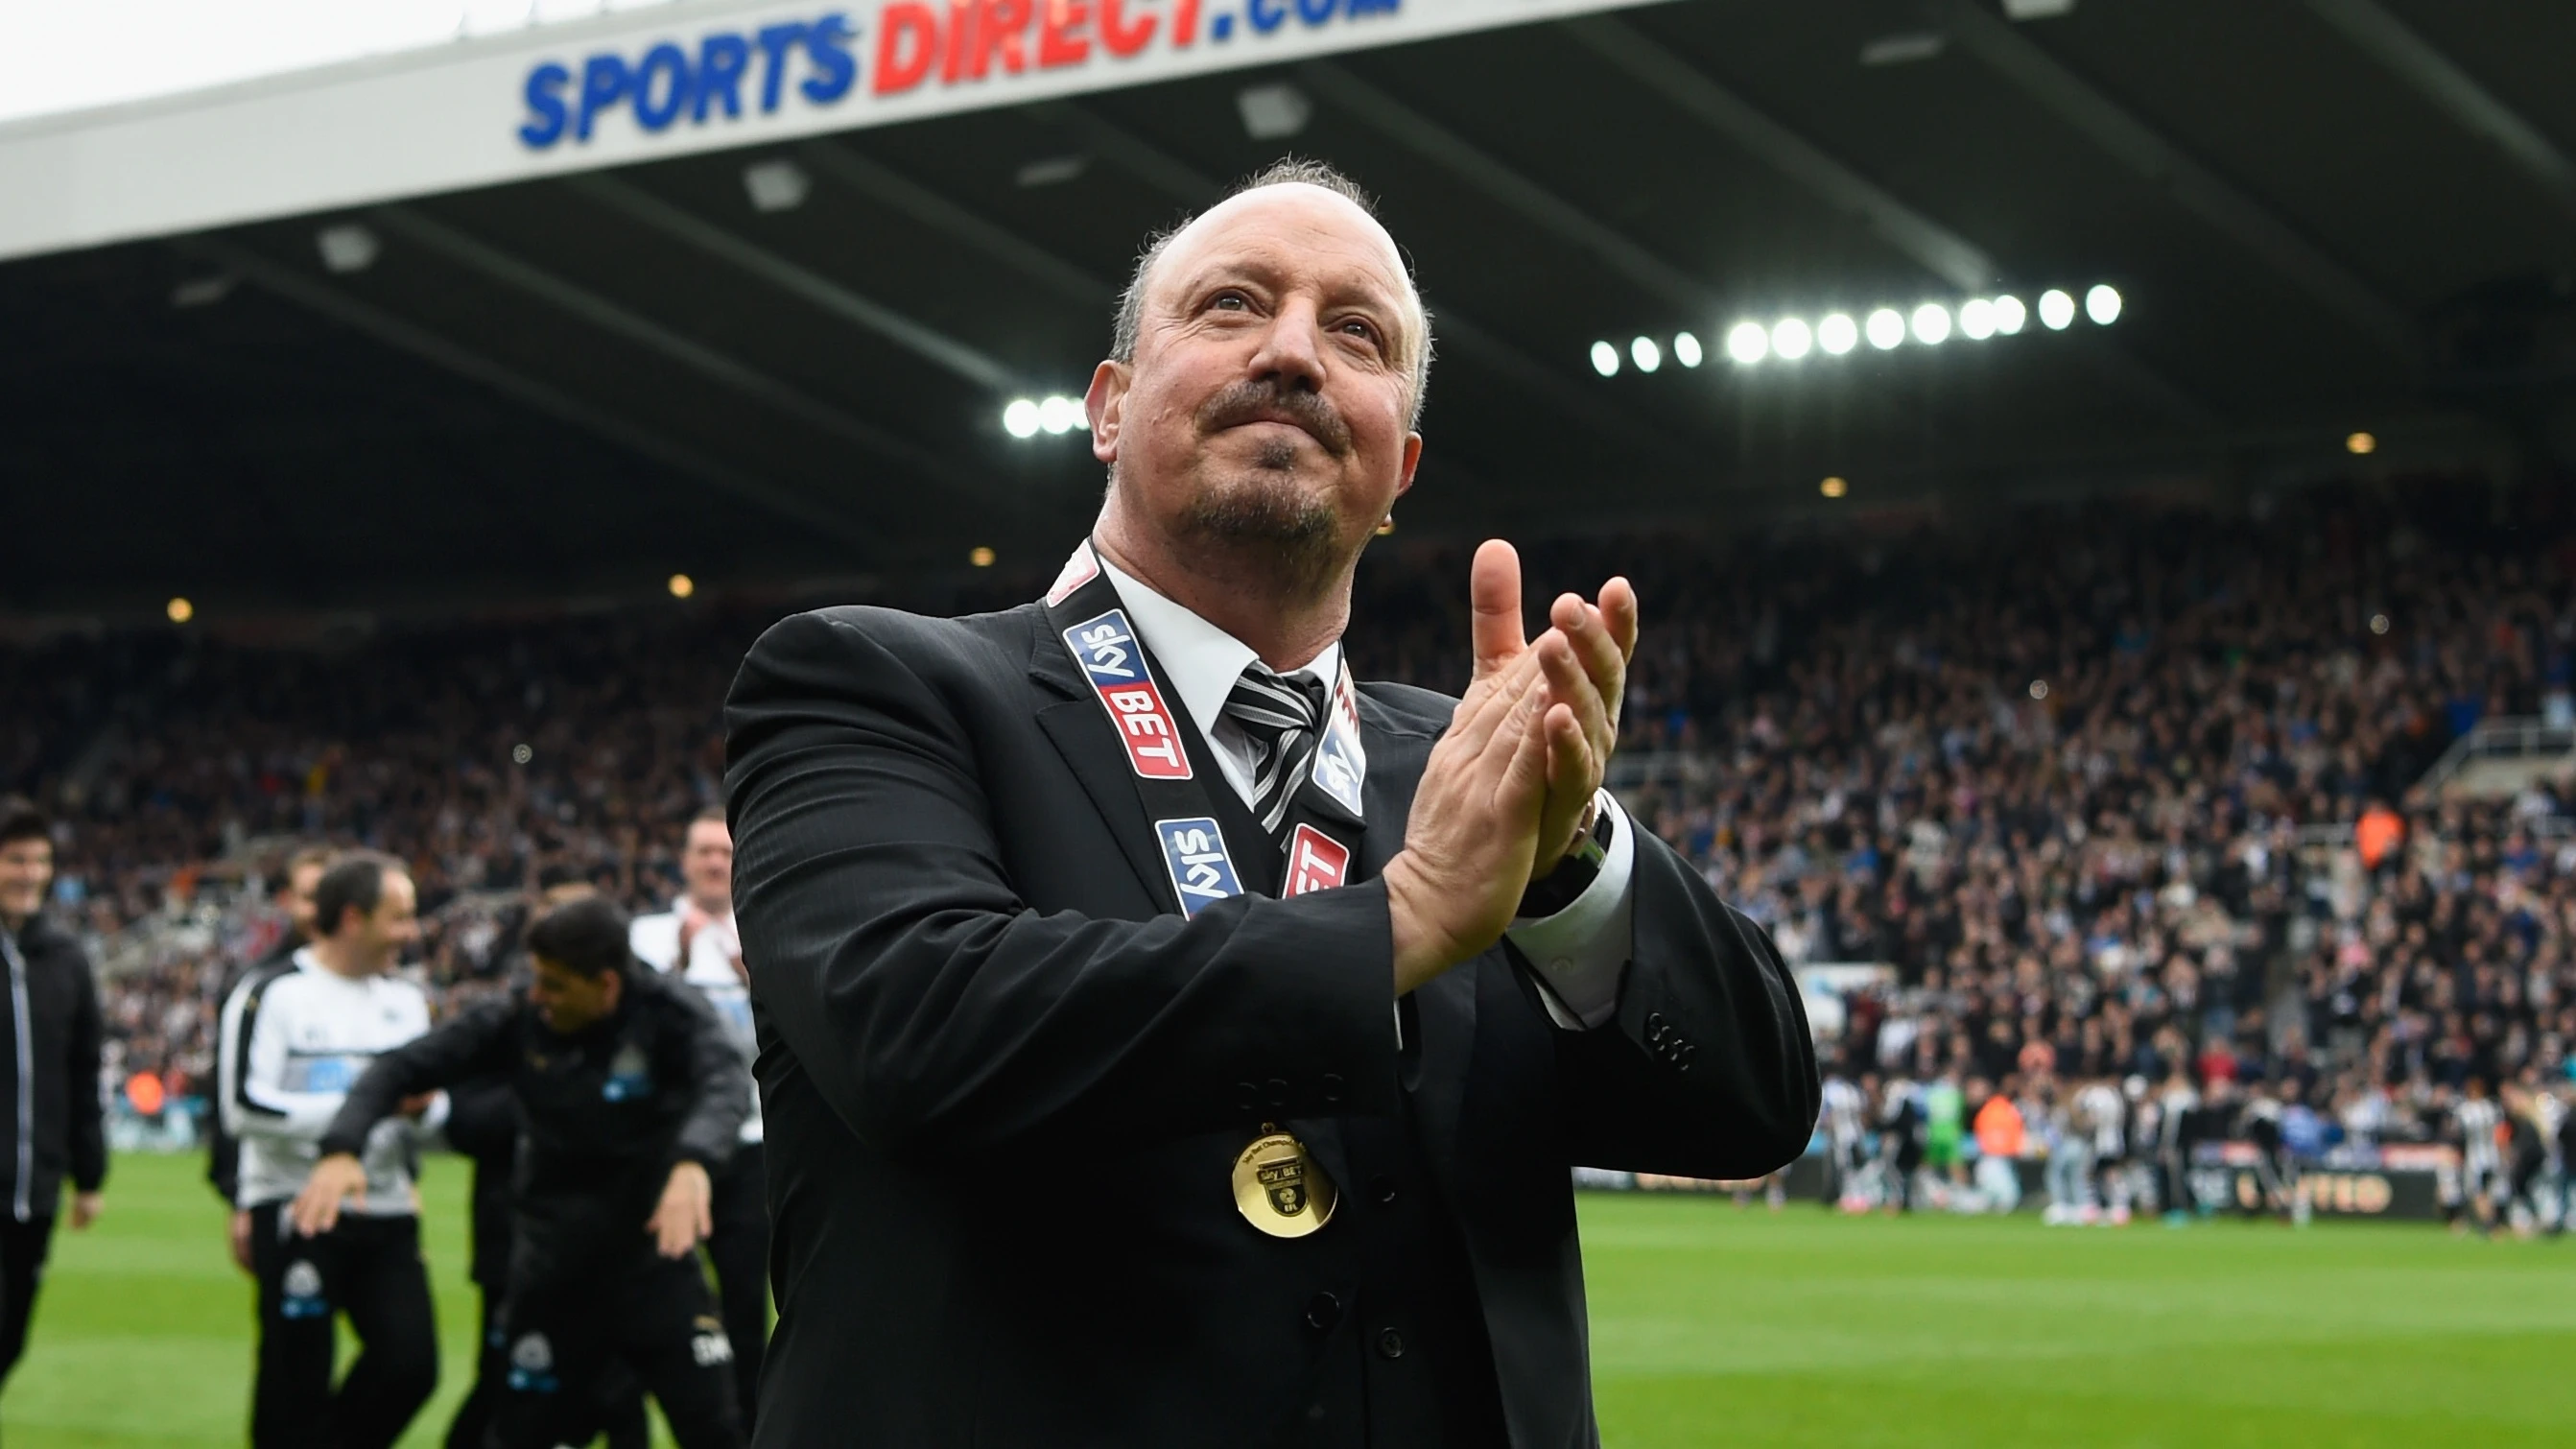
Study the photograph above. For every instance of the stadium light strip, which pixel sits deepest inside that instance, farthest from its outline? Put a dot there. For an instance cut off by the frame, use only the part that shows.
(1751, 343)
(1055, 415)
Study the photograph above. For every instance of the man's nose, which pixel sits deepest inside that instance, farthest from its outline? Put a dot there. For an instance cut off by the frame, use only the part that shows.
(1292, 349)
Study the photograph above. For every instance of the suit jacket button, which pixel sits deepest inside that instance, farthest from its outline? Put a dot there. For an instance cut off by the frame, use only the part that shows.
(1334, 1089)
(1654, 1023)
(1390, 1343)
(1323, 1311)
(1275, 1092)
(1383, 1189)
(1247, 1097)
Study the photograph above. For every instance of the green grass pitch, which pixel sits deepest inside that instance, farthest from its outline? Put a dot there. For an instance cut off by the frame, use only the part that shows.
(1711, 1325)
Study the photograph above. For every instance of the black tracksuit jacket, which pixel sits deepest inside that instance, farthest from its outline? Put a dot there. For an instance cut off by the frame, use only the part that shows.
(52, 1116)
(604, 1114)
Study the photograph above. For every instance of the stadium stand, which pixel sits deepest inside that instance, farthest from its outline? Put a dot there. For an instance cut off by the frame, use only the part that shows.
(2115, 787)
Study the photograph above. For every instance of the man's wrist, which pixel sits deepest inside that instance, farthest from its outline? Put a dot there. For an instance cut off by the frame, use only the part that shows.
(1575, 871)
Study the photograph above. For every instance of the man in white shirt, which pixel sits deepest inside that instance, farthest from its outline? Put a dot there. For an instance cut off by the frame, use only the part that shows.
(696, 939)
(290, 1045)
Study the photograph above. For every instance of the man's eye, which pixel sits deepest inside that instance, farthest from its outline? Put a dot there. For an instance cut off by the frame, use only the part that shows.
(1228, 301)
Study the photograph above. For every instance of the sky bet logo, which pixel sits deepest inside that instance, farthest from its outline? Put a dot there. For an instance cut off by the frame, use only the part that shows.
(1110, 655)
(727, 74)
(1194, 851)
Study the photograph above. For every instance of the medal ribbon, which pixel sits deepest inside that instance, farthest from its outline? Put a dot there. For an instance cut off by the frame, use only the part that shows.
(1087, 617)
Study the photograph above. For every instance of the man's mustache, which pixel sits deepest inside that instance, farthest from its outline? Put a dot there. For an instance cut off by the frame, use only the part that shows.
(1261, 402)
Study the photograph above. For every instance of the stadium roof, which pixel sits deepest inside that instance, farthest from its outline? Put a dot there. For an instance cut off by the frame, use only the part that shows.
(2323, 218)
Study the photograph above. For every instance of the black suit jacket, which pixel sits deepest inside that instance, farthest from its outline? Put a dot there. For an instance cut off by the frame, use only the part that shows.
(1005, 1087)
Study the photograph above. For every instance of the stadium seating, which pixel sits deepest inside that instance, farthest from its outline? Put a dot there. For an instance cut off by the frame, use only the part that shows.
(2091, 777)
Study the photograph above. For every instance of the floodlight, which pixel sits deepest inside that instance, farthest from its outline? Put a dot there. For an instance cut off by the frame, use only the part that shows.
(1886, 329)
(347, 247)
(1931, 324)
(1791, 337)
(1056, 414)
(1977, 319)
(1837, 334)
(2009, 315)
(2056, 310)
(1646, 354)
(2102, 304)
(777, 184)
(1747, 343)
(1020, 419)
(1605, 359)
(1686, 349)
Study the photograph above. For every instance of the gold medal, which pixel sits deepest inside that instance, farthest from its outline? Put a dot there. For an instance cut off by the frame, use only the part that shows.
(1280, 1188)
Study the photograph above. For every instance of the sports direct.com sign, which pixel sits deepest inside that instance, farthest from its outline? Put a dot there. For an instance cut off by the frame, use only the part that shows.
(690, 76)
(727, 75)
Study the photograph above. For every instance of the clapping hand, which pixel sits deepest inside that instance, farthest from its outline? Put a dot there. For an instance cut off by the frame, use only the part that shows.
(1512, 780)
(1584, 657)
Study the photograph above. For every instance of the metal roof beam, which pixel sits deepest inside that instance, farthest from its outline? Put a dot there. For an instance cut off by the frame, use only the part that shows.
(719, 367)
(403, 336)
(1177, 179)
(2455, 93)
(894, 190)
(1543, 208)
(922, 341)
(2191, 185)
(1934, 247)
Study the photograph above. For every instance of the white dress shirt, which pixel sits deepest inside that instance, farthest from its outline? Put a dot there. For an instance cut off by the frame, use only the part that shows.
(1579, 953)
(712, 969)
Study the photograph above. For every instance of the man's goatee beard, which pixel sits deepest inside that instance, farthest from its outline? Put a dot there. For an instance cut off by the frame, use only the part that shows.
(1265, 522)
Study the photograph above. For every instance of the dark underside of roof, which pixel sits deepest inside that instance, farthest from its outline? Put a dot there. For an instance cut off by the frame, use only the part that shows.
(2323, 216)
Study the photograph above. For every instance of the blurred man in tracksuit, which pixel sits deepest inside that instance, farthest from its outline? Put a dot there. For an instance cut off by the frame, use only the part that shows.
(50, 1108)
(630, 1097)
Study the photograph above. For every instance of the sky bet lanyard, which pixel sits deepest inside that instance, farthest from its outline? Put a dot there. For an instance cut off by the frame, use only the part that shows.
(1279, 1188)
(1084, 611)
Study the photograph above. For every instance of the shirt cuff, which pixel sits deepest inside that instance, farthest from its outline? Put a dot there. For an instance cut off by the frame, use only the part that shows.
(1579, 953)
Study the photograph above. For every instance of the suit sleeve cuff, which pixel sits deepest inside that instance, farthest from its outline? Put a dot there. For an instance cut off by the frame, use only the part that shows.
(1579, 953)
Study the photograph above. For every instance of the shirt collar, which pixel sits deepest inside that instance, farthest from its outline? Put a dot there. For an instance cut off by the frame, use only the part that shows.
(1200, 661)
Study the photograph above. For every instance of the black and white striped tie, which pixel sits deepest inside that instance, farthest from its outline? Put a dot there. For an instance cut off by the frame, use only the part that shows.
(1281, 717)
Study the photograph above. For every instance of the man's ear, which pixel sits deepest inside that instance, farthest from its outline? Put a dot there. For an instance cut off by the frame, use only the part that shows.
(1106, 404)
(1412, 460)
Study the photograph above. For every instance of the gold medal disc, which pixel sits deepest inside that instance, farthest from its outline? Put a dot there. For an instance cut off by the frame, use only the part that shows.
(1280, 1188)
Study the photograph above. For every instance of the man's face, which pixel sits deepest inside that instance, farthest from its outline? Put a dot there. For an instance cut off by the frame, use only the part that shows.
(376, 939)
(26, 870)
(1269, 400)
(567, 1001)
(297, 899)
(706, 861)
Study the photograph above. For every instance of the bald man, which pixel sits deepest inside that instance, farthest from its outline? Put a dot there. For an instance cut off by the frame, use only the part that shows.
(1167, 1040)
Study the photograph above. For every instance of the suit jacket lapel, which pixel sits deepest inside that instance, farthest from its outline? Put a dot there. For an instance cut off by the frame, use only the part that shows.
(1082, 735)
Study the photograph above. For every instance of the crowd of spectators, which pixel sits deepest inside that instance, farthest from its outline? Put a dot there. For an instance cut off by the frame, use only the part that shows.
(2116, 788)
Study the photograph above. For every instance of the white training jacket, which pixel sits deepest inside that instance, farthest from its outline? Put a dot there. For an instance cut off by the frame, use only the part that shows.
(290, 1045)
